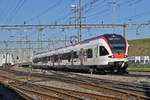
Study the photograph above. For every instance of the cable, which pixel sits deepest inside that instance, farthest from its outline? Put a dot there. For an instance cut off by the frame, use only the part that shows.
(134, 2)
(100, 12)
(100, 3)
(15, 11)
(45, 11)
(82, 8)
(97, 10)
(138, 15)
(5, 11)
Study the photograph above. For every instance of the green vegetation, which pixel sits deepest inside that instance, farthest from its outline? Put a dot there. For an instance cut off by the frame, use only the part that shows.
(139, 68)
(139, 47)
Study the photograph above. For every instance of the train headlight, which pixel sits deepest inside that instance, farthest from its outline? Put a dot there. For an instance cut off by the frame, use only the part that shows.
(125, 56)
(110, 56)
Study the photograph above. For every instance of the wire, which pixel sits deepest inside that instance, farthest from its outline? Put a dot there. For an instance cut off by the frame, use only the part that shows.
(45, 11)
(100, 3)
(15, 11)
(139, 15)
(82, 8)
(100, 12)
(5, 11)
(65, 16)
(134, 2)
(103, 11)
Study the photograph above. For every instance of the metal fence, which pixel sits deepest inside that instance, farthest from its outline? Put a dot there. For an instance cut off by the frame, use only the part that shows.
(139, 59)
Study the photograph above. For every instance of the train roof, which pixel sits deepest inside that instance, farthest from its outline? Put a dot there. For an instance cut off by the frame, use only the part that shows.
(85, 41)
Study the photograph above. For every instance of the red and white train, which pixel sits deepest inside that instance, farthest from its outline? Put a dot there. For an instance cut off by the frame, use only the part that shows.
(106, 53)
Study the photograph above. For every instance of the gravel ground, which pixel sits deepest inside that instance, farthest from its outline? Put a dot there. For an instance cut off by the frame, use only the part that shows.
(52, 83)
(124, 78)
(64, 85)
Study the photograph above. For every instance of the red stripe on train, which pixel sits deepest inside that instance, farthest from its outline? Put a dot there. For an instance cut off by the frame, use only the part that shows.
(119, 55)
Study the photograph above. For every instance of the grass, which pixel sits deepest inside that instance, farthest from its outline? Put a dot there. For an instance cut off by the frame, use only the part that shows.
(139, 68)
(139, 47)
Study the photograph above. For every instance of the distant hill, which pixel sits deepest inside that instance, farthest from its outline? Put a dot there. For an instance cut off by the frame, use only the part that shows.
(139, 47)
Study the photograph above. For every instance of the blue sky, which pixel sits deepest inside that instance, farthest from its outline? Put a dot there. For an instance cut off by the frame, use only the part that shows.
(15, 12)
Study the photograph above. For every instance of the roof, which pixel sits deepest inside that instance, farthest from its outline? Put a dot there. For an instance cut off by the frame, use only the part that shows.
(82, 42)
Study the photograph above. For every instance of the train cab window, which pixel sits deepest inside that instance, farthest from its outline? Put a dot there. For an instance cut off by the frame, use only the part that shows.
(103, 51)
(89, 53)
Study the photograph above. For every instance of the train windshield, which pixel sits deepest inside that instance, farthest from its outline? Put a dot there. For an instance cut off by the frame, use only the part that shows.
(117, 43)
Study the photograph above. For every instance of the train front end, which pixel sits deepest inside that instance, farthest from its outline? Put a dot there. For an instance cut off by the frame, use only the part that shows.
(118, 48)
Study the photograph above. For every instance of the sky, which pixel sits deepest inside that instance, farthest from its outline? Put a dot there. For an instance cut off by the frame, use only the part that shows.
(47, 12)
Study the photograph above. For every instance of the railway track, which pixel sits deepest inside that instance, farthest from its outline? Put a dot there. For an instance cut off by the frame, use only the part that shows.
(33, 91)
(64, 93)
(130, 87)
(110, 88)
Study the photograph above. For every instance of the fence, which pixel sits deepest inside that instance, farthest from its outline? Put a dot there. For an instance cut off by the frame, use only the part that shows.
(139, 59)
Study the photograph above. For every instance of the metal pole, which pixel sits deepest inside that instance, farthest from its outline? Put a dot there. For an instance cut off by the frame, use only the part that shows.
(114, 15)
(124, 30)
(80, 17)
(75, 10)
(40, 38)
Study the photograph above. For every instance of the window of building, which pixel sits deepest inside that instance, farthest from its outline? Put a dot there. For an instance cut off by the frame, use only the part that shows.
(103, 51)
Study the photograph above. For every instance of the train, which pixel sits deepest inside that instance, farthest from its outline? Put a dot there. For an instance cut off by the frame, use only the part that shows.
(104, 53)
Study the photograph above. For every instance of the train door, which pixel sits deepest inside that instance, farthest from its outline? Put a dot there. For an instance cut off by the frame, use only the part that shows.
(72, 57)
(103, 54)
(53, 61)
(89, 56)
(81, 56)
(95, 52)
(59, 58)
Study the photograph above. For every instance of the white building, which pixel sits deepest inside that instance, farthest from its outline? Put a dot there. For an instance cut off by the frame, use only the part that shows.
(6, 58)
(139, 59)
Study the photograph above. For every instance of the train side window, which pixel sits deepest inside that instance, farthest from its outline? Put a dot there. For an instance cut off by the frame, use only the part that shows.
(3, 56)
(89, 53)
(75, 55)
(69, 57)
(103, 51)
(55, 58)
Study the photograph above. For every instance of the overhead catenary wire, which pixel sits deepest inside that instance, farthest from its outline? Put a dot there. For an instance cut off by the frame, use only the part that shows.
(45, 11)
(100, 13)
(98, 5)
(15, 10)
(102, 5)
(85, 7)
(134, 2)
(138, 15)
(6, 10)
